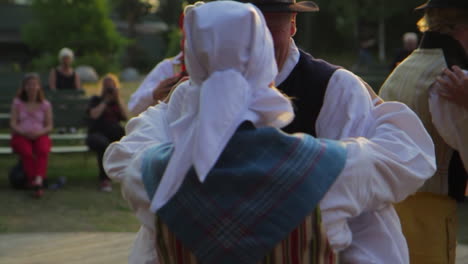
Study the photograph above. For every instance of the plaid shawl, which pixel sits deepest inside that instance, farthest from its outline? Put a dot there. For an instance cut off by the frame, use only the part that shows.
(262, 187)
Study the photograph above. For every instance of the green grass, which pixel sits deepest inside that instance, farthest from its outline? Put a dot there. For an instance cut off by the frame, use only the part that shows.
(78, 206)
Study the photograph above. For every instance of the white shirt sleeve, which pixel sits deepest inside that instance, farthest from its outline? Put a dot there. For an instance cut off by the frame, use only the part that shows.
(390, 154)
(346, 107)
(122, 162)
(143, 96)
(451, 121)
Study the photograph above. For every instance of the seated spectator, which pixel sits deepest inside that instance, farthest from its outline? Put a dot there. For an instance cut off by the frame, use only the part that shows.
(64, 77)
(31, 122)
(105, 113)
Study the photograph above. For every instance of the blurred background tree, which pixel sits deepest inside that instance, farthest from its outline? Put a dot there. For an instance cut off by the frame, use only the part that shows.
(340, 26)
(82, 25)
(133, 12)
(170, 11)
(89, 28)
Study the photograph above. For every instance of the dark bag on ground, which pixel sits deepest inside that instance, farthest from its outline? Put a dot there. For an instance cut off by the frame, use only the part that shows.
(17, 177)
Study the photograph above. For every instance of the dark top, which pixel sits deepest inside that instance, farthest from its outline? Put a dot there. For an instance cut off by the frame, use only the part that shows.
(64, 82)
(454, 55)
(306, 85)
(453, 51)
(109, 119)
(400, 56)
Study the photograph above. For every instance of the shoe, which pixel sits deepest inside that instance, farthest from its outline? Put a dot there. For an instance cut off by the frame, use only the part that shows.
(38, 187)
(106, 186)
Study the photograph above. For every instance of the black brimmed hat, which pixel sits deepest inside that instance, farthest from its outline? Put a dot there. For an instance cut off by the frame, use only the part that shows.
(284, 6)
(458, 4)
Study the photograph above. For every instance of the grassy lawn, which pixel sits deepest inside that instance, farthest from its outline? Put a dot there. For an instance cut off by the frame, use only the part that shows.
(78, 206)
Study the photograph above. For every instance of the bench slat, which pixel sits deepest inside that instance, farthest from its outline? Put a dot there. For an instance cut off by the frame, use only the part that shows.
(53, 136)
(59, 149)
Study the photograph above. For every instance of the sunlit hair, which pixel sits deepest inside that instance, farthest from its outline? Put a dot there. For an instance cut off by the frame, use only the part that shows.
(65, 52)
(22, 93)
(112, 77)
(443, 20)
(410, 36)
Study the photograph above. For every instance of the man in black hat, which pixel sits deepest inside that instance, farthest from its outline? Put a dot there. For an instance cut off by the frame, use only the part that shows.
(331, 102)
(429, 217)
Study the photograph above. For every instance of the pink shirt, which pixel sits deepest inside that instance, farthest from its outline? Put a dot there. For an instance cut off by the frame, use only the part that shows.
(30, 121)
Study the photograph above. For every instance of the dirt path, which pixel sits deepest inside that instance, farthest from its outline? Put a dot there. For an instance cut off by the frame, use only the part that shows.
(89, 248)
(70, 248)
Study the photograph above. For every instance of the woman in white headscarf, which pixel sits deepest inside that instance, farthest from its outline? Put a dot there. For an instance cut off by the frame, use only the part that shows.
(212, 178)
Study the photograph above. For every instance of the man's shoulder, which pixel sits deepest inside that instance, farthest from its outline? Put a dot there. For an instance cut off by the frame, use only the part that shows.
(313, 68)
(308, 61)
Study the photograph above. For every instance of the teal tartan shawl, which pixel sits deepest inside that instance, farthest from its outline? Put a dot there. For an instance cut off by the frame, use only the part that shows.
(262, 187)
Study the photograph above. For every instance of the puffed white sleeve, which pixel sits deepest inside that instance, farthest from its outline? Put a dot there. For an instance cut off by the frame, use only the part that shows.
(346, 107)
(122, 162)
(142, 98)
(451, 121)
(390, 155)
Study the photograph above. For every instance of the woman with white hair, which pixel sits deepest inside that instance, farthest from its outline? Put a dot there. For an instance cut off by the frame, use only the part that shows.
(64, 77)
(213, 179)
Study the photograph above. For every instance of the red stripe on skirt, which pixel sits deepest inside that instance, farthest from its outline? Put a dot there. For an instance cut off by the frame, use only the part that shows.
(294, 247)
(179, 253)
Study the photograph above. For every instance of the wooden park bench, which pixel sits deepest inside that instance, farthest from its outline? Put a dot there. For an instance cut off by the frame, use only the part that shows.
(56, 139)
(69, 110)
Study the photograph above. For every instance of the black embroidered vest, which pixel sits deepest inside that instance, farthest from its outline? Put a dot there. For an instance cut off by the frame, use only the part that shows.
(306, 85)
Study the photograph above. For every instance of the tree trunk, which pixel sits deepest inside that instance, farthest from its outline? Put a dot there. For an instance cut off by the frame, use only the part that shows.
(132, 48)
(382, 55)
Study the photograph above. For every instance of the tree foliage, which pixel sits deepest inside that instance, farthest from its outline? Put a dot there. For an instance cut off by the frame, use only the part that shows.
(339, 25)
(132, 12)
(349, 13)
(82, 25)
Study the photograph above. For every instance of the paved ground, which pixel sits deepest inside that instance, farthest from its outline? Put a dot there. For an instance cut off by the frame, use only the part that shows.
(69, 248)
(462, 254)
(84, 248)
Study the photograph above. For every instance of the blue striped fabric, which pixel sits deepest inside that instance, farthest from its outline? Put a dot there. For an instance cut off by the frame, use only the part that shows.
(262, 187)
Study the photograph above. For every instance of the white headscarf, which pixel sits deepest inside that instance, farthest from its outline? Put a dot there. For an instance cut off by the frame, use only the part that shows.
(230, 59)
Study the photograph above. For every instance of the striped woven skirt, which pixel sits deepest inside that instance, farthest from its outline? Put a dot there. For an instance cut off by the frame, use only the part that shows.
(307, 244)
